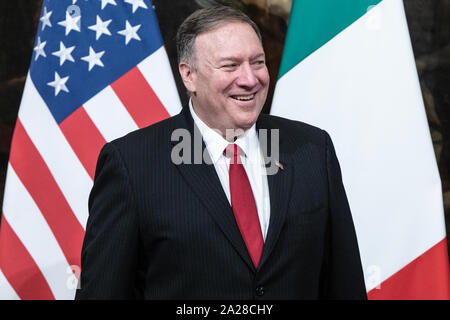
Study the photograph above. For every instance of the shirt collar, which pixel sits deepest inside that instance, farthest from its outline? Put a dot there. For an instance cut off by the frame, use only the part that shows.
(216, 144)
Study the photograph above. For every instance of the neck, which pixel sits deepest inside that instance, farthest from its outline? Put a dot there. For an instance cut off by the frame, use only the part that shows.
(229, 134)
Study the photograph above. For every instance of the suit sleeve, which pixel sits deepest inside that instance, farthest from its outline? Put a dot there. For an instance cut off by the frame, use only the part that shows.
(342, 272)
(110, 248)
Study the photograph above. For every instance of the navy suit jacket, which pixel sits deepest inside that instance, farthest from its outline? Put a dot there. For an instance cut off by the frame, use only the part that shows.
(157, 230)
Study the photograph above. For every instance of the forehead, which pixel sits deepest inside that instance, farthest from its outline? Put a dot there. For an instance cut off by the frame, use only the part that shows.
(232, 38)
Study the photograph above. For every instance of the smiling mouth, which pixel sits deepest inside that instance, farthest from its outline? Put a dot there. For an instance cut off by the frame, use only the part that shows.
(244, 97)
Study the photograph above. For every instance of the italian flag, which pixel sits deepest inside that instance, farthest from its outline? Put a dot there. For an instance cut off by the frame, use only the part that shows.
(348, 68)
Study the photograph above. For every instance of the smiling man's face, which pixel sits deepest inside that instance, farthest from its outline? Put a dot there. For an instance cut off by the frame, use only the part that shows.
(230, 80)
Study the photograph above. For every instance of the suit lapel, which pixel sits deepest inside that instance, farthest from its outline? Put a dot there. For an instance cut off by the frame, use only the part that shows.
(204, 181)
(279, 183)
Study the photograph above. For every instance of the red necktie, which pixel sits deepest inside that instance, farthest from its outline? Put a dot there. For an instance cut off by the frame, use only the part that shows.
(243, 204)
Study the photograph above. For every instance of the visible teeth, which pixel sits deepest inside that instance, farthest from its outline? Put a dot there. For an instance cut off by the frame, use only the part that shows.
(244, 98)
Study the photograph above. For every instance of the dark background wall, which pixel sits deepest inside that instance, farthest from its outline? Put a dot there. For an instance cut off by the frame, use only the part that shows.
(429, 26)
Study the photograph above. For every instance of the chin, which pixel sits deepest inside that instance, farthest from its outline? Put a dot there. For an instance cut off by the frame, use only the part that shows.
(247, 122)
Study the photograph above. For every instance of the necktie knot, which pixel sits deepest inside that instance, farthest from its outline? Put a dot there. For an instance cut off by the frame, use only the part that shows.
(233, 152)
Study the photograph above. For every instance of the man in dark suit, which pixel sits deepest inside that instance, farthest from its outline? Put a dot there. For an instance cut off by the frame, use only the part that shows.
(244, 206)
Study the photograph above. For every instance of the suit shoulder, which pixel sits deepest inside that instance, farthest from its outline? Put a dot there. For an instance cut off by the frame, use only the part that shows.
(143, 142)
(156, 133)
(295, 130)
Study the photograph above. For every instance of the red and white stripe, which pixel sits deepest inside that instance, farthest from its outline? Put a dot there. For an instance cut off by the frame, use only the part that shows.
(51, 171)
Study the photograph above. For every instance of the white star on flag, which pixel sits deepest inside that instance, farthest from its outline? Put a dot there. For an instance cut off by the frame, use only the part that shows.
(71, 23)
(137, 4)
(59, 83)
(101, 27)
(46, 18)
(93, 58)
(64, 53)
(106, 2)
(40, 49)
(130, 32)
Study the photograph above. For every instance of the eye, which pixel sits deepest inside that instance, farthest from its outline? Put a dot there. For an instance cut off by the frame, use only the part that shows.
(259, 63)
(230, 66)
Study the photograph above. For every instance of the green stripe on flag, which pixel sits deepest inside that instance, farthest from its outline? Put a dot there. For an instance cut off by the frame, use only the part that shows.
(314, 22)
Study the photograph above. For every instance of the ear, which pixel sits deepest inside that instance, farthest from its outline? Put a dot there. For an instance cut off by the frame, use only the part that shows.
(187, 75)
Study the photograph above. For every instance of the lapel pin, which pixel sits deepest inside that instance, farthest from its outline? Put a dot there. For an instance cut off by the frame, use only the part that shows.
(279, 165)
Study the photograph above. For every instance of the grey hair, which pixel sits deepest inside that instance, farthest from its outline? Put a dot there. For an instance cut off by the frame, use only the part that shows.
(205, 20)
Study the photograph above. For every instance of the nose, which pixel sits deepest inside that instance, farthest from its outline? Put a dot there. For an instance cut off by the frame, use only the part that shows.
(247, 77)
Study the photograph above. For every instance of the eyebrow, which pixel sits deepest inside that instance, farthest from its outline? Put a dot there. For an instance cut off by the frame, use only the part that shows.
(232, 58)
(259, 55)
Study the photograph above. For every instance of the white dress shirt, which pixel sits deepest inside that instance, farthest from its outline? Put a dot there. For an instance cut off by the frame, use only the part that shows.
(252, 161)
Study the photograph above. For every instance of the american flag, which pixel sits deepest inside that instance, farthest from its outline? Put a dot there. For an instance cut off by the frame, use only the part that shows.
(98, 71)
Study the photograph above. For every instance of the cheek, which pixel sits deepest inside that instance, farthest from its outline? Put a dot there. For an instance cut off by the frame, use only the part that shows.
(216, 88)
(264, 77)
(225, 84)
